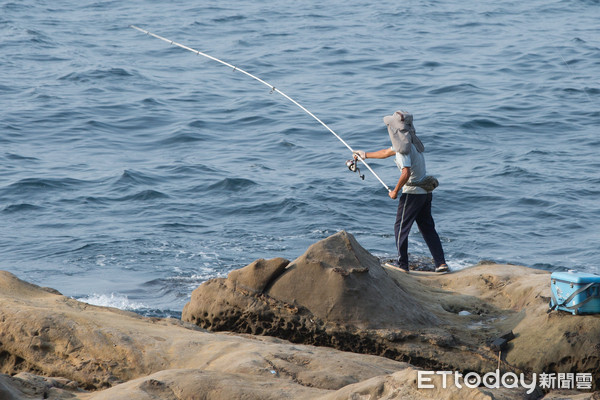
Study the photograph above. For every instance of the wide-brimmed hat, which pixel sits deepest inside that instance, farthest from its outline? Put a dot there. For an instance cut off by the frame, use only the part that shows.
(402, 132)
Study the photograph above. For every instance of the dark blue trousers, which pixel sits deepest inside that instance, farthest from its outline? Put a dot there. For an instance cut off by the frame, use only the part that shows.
(417, 208)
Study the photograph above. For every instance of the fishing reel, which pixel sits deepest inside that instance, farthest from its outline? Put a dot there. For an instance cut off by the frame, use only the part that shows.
(353, 166)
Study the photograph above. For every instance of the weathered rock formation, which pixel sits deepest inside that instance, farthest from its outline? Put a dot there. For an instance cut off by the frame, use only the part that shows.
(555, 342)
(53, 347)
(338, 295)
(97, 347)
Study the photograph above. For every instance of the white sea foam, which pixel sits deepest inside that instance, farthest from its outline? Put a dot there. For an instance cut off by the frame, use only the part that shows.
(456, 265)
(115, 300)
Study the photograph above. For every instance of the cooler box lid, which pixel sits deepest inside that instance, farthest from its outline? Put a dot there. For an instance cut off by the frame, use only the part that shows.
(575, 277)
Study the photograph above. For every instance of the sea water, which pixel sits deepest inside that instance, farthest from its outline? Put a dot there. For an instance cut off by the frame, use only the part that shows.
(131, 171)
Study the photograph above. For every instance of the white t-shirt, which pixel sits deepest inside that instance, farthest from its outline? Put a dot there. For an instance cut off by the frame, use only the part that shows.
(416, 162)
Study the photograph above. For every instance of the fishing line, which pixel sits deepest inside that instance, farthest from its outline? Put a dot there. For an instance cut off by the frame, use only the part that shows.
(571, 72)
(273, 89)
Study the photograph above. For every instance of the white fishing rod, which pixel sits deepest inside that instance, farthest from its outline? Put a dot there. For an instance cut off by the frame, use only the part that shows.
(273, 89)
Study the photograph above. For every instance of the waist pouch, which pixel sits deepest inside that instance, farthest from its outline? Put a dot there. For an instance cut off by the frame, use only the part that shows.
(428, 183)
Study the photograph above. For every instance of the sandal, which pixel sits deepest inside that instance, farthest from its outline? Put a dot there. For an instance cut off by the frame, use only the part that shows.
(442, 268)
(395, 265)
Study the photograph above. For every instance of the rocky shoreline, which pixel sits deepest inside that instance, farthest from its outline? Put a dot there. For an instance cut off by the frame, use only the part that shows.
(332, 324)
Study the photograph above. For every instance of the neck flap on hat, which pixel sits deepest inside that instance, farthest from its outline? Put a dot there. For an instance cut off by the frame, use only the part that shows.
(402, 132)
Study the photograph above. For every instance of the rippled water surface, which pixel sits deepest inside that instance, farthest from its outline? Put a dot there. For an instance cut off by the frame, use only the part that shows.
(131, 170)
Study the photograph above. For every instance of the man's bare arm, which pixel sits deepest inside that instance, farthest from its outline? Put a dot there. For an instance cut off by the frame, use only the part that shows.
(401, 182)
(383, 153)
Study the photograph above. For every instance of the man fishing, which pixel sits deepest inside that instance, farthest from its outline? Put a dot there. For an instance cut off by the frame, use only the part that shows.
(415, 202)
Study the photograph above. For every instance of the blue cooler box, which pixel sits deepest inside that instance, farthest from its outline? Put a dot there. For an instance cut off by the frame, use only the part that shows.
(576, 292)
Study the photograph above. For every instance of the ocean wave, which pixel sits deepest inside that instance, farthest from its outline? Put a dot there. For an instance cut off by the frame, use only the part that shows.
(114, 300)
(512, 171)
(481, 123)
(123, 126)
(144, 195)
(7, 89)
(232, 18)
(431, 64)
(38, 37)
(285, 208)
(18, 157)
(93, 75)
(150, 101)
(182, 171)
(232, 184)
(132, 178)
(180, 226)
(14, 208)
(282, 144)
(34, 185)
(184, 137)
(457, 88)
(12, 6)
